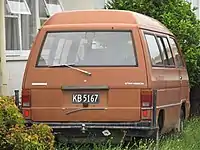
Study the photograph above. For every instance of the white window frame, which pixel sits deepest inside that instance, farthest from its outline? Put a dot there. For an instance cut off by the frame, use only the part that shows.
(9, 7)
(47, 7)
(19, 30)
(47, 11)
(44, 19)
(17, 54)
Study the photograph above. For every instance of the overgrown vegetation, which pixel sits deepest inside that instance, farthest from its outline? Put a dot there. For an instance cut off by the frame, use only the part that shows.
(188, 140)
(14, 134)
(178, 16)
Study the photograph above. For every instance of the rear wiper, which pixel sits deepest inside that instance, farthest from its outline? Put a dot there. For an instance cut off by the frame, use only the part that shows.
(72, 67)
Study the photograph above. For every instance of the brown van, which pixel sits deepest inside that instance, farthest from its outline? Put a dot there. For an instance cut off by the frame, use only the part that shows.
(105, 72)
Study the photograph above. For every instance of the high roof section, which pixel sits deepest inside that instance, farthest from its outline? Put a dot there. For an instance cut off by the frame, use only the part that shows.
(106, 16)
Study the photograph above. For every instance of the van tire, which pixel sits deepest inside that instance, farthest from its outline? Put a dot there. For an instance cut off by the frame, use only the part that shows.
(160, 121)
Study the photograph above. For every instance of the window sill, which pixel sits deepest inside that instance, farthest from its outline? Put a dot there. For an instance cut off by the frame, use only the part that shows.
(16, 55)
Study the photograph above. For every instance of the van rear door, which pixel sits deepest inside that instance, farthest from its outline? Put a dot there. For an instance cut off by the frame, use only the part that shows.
(87, 76)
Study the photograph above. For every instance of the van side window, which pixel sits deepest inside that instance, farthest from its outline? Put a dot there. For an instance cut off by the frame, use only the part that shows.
(169, 52)
(154, 51)
(163, 51)
(176, 52)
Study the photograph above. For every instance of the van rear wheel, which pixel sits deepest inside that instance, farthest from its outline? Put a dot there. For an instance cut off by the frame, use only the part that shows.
(160, 122)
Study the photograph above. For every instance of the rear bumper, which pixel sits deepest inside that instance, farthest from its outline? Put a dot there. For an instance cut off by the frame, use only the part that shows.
(101, 130)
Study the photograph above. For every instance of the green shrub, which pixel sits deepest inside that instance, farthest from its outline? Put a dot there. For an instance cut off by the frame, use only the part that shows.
(178, 16)
(15, 135)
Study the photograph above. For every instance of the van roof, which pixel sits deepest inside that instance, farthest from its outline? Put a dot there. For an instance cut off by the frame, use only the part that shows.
(106, 16)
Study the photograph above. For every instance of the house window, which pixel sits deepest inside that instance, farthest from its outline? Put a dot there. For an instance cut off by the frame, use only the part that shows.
(28, 26)
(20, 23)
(12, 33)
(22, 18)
(52, 6)
(47, 8)
(18, 7)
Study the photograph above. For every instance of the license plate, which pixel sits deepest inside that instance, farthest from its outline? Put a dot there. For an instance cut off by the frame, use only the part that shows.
(80, 98)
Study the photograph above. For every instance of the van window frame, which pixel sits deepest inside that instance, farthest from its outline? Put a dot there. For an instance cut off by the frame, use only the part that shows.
(179, 52)
(174, 64)
(154, 35)
(130, 31)
(166, 36)
(161, 37)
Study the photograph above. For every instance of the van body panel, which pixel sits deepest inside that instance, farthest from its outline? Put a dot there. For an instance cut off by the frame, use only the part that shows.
(107, 16)
(168, 84)
(185, 88)
(100, 76)
(112, 100)
(93, 16)
(50, 109)
(113, 105)
(169, 94)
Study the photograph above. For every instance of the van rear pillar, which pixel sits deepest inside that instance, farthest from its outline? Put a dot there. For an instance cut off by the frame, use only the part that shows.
(154, 118)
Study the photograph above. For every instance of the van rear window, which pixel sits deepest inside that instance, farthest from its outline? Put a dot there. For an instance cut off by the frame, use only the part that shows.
(113, 48)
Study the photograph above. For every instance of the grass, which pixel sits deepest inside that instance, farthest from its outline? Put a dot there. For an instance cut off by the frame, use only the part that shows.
(189, 139)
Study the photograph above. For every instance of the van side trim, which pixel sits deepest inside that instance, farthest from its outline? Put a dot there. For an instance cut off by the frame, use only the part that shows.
(68, 88)
(165, 106)
(169, 105)
(39, 84)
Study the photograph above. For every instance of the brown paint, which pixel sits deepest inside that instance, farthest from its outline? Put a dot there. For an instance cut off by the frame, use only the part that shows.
(121, 103)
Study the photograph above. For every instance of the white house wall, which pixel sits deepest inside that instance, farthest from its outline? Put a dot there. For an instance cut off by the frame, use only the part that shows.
(77, 4)
(15, 76)
(83, 4)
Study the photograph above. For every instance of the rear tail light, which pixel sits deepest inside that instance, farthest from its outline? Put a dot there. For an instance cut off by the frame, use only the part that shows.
(26, 113)
(145, 113)
(26, 98)
(146, 98)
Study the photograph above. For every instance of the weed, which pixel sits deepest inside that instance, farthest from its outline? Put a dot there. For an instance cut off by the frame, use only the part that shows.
(189, 139)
